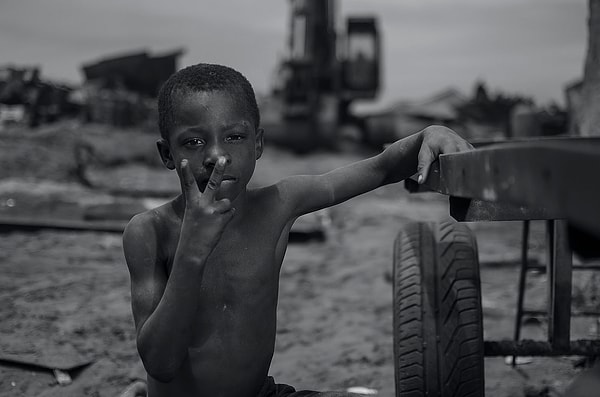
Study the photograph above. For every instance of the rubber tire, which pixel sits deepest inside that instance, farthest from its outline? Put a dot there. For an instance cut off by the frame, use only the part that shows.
(438, 330)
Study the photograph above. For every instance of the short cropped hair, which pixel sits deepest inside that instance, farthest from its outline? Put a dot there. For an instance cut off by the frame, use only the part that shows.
(204, 77)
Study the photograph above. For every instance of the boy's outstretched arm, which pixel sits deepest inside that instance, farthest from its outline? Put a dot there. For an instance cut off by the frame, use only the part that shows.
(400, 160)
(164, 308)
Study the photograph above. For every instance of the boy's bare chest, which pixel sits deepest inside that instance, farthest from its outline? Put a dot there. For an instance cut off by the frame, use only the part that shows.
(246, 257)
(239, 286)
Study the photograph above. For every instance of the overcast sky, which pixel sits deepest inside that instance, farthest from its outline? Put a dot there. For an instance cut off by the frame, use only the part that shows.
(531, 47)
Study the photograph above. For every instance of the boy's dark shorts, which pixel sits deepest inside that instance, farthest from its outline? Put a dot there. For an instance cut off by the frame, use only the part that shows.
(272, 389)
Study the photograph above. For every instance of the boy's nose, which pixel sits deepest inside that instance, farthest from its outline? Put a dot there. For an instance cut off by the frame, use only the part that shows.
(213, 156)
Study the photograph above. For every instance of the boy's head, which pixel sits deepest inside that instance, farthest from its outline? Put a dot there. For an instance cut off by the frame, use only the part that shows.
(203, 77)
(207, 112)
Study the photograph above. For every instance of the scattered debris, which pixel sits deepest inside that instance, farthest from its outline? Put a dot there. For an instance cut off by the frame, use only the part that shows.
(88, 382)
(517, 360)
(62, 377)
(362, 390)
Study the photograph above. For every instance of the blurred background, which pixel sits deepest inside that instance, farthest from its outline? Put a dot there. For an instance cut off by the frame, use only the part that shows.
(468, 63)
(335, 81)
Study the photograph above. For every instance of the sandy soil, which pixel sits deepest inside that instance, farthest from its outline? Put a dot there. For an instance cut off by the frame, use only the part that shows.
(68, 292)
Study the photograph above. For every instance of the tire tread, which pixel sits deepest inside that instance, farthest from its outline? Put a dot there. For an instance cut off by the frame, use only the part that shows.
(457, 312)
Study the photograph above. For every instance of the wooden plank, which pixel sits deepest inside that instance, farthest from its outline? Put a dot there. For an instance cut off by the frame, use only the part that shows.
(556, 176)
(19, 349)
(9, 224)
(311, 226)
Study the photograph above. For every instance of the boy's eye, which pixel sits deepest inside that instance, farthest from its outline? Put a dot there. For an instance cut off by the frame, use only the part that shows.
(194, 142)
(234, 137)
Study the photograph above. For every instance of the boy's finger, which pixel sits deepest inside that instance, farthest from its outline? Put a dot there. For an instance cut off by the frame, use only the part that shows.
(188, 182)
(222, 206)
(229, 215)
(426, 157)
(214, 182)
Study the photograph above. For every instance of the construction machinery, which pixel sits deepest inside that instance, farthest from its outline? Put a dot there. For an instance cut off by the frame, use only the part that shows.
(324, 71)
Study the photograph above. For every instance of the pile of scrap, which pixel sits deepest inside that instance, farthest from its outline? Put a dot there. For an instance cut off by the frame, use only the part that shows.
(121, 90)
(405, 117)
(26, 98)
(479, 116)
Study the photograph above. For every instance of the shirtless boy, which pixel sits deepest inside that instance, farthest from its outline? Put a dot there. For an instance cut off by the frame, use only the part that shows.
(205, 266)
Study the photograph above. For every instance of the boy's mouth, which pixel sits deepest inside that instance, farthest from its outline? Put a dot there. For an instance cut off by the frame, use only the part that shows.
(227, 179)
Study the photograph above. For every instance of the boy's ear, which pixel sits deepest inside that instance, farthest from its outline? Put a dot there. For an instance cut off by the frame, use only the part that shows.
(259, 142)
(165, 153)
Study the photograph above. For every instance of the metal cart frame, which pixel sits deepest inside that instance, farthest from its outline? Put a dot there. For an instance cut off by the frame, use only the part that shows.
(552, 179)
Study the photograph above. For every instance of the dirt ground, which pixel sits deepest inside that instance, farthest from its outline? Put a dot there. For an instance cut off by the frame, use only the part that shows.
(67, 293)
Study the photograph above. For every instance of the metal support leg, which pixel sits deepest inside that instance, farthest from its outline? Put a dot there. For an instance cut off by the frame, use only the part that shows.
(522, 279)
(560, 270)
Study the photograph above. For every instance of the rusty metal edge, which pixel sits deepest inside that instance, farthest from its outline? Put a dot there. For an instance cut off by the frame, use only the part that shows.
(555, 176)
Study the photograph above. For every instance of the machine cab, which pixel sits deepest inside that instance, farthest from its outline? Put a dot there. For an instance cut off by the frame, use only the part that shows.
(360, 74)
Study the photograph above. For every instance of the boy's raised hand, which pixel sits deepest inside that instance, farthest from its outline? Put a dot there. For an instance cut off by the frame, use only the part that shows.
(203, 210)
(438, 140)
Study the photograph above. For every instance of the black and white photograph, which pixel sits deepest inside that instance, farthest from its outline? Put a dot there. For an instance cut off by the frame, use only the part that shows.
(300, 198)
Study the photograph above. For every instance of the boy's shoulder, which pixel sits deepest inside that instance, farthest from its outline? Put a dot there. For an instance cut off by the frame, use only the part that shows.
(153, 222)
(146, 236)
(272, 196)
(283, 195)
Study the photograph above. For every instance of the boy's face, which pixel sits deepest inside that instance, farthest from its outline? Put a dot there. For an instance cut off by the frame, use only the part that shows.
(208, 125)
